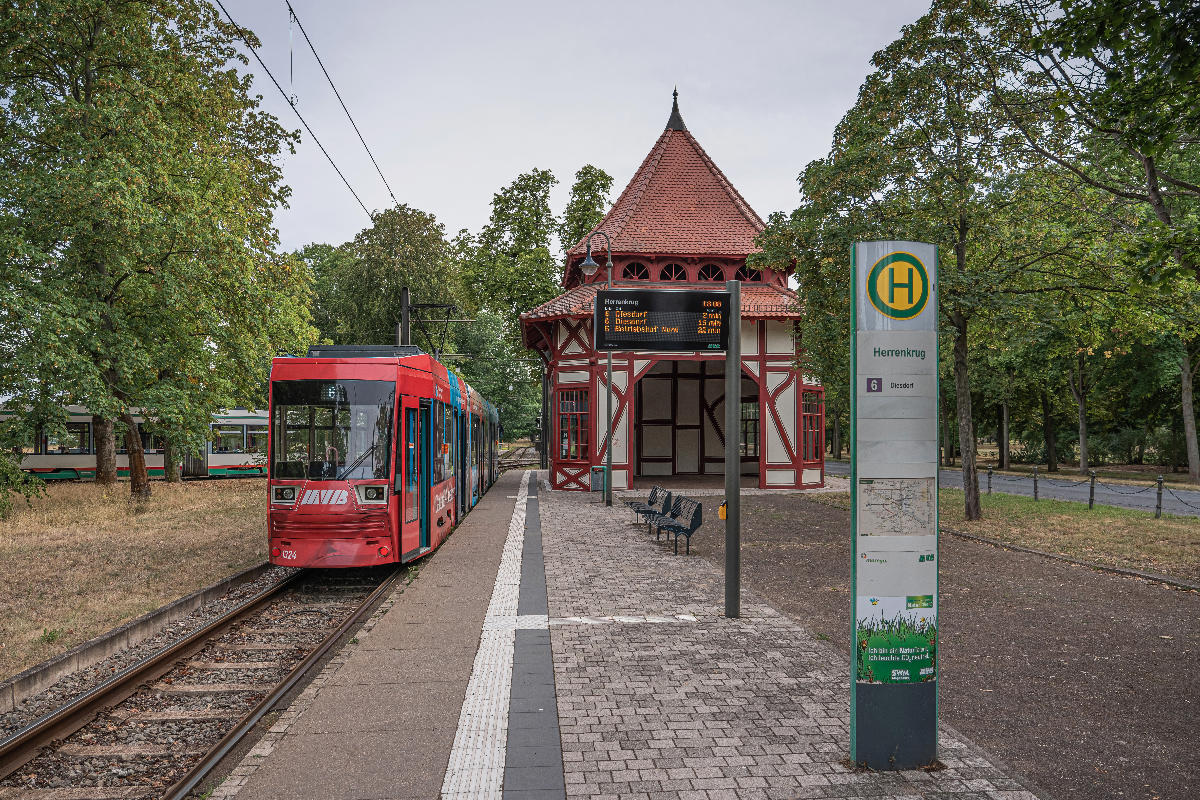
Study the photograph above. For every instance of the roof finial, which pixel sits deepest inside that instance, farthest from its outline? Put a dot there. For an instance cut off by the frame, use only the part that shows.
(675, 123)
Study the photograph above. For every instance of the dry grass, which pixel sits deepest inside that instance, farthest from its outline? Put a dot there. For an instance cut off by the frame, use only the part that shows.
(80, 561)
(1111, 536)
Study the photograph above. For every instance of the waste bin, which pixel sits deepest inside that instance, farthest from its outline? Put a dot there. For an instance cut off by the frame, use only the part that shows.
(597, 479)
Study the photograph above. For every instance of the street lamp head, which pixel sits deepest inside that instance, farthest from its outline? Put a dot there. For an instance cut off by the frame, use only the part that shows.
(589, 266)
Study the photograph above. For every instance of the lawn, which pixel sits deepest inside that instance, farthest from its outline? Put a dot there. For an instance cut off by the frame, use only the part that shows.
(1106, 535)
(81, 561)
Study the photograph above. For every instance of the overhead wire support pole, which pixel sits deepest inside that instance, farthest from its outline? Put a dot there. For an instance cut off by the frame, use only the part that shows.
(254, 52)
(338, 95)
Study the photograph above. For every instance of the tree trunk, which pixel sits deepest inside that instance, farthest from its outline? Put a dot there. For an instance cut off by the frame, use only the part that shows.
(1004, 450)
(947, 439)
(106, 450)
(966, 423)
(1049, 435)
(837, 436)
(1079, 392)
(170, 463)
(1189, 417)
(139, 480)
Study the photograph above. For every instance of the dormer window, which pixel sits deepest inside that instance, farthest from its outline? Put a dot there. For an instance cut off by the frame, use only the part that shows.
(673, 272)
(711, 272)
(745, 274)
(635, 272)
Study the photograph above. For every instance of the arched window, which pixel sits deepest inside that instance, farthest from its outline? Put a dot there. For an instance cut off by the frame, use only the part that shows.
(636, 272)
(745, 274)
(711, 272)
(673, 272)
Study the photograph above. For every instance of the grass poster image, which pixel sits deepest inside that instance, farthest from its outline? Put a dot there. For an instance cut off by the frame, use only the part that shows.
(896, 639)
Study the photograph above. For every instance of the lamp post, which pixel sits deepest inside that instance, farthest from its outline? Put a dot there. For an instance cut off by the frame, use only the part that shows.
(588, 266)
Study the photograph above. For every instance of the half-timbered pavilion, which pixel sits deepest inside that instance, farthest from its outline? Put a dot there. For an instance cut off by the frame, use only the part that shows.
(679, 223)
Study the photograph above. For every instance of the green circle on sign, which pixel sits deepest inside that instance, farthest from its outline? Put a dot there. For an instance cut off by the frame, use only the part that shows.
(898, 286)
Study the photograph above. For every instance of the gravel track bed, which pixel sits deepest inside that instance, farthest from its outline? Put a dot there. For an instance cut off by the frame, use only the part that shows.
(296, 622)
(206, 677)
(193, 734)
(53, 772)
(84, 680)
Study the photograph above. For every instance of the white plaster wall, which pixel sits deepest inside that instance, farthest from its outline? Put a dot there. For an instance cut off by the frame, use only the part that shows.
(779, 338)
(656, 441)
(571, 376)
(785, 405)
(781, 477)
(749, 338)
(810, 476)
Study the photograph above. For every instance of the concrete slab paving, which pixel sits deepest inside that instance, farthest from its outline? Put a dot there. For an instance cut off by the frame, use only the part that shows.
(367, 732)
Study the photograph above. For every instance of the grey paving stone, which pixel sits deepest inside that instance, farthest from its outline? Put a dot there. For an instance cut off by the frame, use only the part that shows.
(711, 707)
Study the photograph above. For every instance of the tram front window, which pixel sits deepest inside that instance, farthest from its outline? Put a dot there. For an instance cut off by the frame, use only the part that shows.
(331, 430)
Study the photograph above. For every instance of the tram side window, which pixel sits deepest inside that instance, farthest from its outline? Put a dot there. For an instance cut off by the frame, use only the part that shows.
(75, 440)
(256, 438)
(572, 425)
(229, 439)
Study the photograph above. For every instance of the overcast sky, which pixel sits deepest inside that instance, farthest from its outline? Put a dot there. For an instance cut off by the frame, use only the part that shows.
(457, 98)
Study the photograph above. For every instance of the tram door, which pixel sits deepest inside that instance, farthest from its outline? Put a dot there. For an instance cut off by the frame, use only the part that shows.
(425, 461)
(460, 460)
(411, 476)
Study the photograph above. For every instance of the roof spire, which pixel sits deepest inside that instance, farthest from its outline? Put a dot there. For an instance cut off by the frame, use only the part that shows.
(675, 123)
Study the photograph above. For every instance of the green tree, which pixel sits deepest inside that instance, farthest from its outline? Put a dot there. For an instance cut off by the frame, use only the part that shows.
(359, 283)
(504, 373)
(138, 179)
(512, 267)
(586, 206)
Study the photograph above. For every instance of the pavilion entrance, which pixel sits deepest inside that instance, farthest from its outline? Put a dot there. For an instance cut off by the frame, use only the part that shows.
(679, 420)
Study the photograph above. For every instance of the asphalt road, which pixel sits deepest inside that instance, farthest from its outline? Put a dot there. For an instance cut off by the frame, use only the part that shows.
(1182, 502)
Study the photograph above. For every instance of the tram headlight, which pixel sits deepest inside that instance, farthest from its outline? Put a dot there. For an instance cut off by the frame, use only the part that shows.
(283, 494)
(376, 495)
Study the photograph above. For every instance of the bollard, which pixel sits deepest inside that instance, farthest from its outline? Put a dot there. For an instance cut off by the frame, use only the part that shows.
(1035, 482)
(989, 480)
(1158, 505)
(1092, 489)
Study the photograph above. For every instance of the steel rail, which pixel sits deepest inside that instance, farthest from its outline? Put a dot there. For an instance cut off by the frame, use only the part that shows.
(201, 770)
(25, 744)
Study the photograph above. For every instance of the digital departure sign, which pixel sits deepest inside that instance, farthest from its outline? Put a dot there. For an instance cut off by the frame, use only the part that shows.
(662, 320)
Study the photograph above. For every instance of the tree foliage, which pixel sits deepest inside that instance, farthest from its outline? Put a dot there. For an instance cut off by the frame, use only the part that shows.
(138, 179)
(588, 203)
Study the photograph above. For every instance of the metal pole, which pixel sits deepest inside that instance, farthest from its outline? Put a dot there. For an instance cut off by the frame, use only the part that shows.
(989, 480)
(1035, 482)
(733, 455)
(1092, 489)
(405, 330)
(1158, 505)
(608, 450)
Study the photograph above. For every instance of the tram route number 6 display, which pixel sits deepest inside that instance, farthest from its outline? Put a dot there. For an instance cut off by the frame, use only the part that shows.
(672, 320)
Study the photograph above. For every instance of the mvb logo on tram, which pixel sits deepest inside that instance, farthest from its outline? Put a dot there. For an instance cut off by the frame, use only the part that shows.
(325, 497)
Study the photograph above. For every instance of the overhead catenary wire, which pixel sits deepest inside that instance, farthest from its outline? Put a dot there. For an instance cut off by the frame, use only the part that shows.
(338, 94)
(292, 104)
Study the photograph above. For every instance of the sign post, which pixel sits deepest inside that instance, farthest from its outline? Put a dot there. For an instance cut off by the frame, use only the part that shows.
(733, 460)
(689, 320)
(893, 505)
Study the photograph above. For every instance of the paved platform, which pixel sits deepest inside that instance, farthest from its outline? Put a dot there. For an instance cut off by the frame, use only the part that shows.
(550, 649)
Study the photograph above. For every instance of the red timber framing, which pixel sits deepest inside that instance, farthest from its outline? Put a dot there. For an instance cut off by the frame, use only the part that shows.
(678, 224)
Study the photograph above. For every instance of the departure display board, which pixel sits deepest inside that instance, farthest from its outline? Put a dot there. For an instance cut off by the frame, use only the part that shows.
(662, 320)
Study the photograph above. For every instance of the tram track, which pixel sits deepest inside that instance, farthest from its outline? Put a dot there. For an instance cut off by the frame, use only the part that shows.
(160, 726)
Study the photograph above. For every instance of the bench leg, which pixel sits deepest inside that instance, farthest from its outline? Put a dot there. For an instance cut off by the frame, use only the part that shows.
(676, 544)
(689, 544)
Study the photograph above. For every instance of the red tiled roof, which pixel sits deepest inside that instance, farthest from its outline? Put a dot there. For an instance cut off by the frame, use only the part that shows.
(758, 301)
(679, 203)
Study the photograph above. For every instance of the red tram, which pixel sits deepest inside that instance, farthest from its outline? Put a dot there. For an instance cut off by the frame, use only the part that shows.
(376, 453)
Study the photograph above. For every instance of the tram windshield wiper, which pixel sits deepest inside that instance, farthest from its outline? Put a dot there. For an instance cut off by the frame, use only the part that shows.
(354, 464)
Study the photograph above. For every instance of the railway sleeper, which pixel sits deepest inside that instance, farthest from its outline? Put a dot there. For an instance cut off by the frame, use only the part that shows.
(125, 750)
(206, 688)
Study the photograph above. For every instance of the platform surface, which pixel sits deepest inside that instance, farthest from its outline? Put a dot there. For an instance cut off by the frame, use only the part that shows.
(551, 649)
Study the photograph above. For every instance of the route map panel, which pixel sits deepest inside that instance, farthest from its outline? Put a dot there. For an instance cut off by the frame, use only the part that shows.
(662, 320)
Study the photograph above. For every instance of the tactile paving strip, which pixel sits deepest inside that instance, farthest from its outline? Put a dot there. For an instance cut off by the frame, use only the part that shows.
(476, 765)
